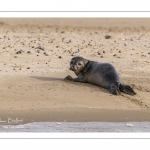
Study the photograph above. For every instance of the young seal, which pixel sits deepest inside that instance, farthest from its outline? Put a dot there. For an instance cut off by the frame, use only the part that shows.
(101, 74)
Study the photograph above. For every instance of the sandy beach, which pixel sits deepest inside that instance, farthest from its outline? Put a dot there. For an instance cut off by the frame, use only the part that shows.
(34, 60)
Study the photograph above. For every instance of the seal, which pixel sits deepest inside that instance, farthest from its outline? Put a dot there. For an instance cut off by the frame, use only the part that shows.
(101, 74)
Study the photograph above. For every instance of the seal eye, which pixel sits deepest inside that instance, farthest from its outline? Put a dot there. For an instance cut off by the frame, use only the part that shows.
(79, 64)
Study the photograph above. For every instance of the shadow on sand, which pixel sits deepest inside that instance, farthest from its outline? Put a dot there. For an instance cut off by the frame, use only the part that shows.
(92, 86)
(47, 78)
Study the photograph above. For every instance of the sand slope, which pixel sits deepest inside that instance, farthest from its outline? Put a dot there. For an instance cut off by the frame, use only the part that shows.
(32, 71)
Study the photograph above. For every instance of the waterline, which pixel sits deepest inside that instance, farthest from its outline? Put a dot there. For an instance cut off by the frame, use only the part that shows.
(78, 127)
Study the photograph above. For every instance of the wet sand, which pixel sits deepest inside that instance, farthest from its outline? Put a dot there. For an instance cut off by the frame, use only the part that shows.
(35, 56)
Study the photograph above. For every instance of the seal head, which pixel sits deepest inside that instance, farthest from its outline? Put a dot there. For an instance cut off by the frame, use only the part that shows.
(77, 64)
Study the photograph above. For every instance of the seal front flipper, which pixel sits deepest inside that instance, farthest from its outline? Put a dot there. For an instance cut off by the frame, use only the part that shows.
(68, 78)
(126, 89)
(78, 80)
(74, 79)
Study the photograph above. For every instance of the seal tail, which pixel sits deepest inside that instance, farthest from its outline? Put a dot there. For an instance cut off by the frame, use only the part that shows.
(126, 89)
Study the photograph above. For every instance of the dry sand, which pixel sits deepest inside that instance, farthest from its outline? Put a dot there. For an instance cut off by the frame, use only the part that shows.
(32, 80)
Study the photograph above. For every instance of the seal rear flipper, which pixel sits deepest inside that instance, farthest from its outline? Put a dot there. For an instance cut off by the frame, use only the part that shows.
(114, 89)
(126, 89)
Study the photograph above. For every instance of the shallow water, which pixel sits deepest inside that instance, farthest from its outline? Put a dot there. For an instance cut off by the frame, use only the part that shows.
(78, 127)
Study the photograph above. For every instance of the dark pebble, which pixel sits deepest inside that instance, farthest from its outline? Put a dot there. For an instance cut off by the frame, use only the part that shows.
(38, 51)
(63, 39)
(19, 52)
(107, 36)
(149, 53)
(40, 47)
(28, 68)
(28, 52)
(45, 54)
(59, 57)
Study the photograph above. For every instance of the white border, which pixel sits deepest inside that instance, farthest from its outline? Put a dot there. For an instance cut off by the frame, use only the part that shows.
(76, 135)
(74, 5)
(94, 144)
(75, 14)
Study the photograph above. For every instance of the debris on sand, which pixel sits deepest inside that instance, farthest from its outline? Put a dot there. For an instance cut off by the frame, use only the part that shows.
(40, 47)
(45, 54)
(19, 52)
(129, 125)
(107, 36)
(28, 52)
